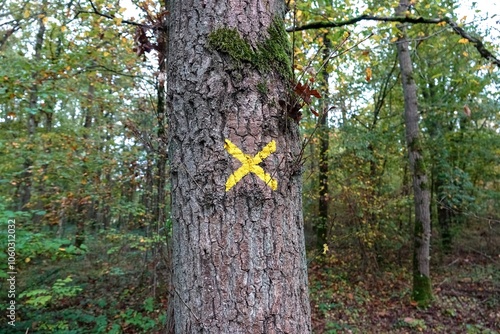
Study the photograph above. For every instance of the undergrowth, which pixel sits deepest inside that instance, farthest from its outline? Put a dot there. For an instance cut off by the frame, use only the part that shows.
(115, 284)
(349, 297)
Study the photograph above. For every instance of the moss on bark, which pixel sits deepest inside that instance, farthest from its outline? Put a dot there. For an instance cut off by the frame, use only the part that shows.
(272, 53)
(422, 290)
(422, 287)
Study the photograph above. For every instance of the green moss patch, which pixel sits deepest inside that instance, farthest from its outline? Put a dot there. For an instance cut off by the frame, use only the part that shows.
(273, 53)
(422, 290)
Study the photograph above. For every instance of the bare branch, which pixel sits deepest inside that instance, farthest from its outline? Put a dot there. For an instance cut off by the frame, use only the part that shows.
(478, 44)
(143, 137)
(7, 34)
(97, 12)
(329, 24)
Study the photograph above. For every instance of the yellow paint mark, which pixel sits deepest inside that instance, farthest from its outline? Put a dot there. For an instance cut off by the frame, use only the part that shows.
(250, 164)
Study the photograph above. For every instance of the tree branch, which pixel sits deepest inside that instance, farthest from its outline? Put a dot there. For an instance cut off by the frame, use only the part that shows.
(97, 12)
(329, 24)
(7, 34)
(478, 44)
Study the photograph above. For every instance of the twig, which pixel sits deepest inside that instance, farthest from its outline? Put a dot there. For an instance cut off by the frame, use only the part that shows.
(473, 215)
(482, 254)
(190, 310)
(97, 12)
(306, 141)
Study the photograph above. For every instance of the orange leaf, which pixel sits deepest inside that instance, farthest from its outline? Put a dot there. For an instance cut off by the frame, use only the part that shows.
(467, 110)
(368, 74)
(305, 92)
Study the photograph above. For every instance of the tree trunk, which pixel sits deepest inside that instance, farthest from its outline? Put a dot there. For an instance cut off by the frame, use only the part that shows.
(161, 154)
(322, 225)
(26, 186)
(445, 219)
(238, 247)
(422, 289)
(83, 207)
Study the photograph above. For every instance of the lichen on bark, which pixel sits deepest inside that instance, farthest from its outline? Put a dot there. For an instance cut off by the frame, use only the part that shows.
(272, 53)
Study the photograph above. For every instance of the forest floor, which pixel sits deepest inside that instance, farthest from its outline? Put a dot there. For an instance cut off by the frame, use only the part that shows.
(466, 292)
(124, 291)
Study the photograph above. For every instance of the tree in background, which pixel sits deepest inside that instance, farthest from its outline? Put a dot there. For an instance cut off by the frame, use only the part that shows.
(422, 289)
(364, 203)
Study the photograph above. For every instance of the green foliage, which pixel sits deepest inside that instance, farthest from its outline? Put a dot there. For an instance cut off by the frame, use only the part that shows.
(368, 179)
(143, 323)
(39, 298)
(118, 242)
(31, 245)
(412, 323)
(149, 304)
(479, 329)
(115, 299)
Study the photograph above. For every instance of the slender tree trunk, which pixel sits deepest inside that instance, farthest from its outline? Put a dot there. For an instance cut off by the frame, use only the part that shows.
(422, 289)
(83, 208)
(161, 154)
(238, 245)
(26, 186)
(322, 227)
(445, 219)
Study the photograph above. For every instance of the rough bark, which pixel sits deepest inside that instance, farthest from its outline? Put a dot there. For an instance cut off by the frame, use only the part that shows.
(238, 251)
(422, 290)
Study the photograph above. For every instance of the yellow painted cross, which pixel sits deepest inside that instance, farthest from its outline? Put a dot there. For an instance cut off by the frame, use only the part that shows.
(250, 164)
